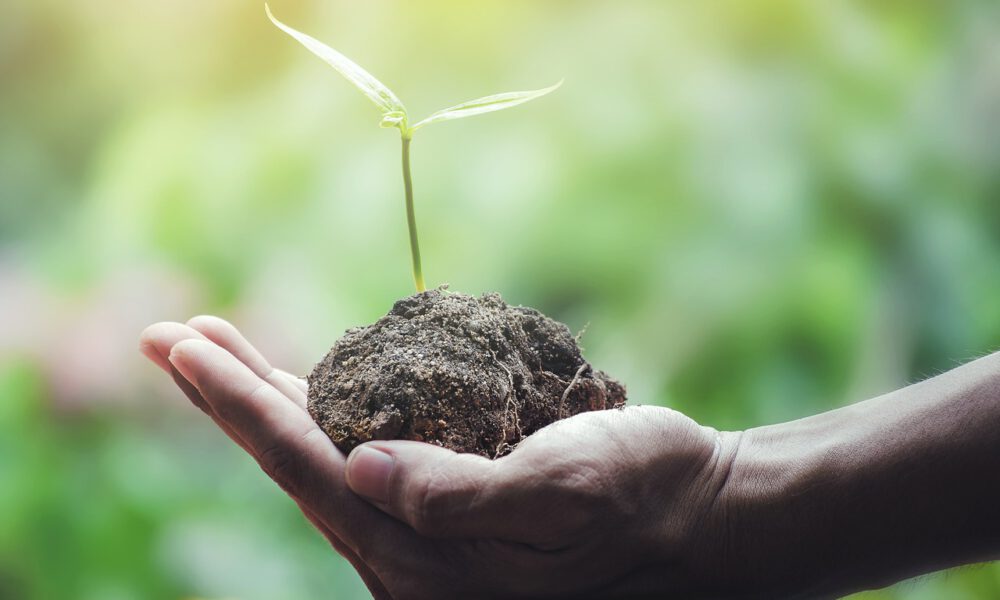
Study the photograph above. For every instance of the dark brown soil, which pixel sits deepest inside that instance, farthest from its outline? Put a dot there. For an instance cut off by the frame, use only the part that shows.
(470, 374)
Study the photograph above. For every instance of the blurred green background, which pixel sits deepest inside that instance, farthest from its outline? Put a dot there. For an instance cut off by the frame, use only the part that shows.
(762, 208)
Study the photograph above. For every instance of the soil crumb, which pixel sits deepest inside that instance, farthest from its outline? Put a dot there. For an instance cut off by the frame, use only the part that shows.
(470, 374)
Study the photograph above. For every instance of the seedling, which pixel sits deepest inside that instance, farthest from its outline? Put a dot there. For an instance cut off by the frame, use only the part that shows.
(408, 375)
(394, 114)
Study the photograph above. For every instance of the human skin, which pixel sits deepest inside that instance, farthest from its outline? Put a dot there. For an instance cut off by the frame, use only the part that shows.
(627, 503)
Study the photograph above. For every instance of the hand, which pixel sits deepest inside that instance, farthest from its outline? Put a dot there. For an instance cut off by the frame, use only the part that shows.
(612, 503)
(260, 408)
(609, 503)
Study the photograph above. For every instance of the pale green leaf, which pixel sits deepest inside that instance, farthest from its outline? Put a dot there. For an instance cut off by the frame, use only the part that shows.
(376, 91)
(484, 105)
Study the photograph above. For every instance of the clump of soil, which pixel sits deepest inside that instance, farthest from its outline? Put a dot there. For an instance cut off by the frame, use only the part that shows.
(470, 374)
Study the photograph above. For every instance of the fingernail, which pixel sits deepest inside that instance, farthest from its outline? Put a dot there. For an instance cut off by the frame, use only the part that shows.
(368, 473)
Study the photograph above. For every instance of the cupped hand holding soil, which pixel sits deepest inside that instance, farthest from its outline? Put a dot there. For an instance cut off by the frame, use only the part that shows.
(606, 503)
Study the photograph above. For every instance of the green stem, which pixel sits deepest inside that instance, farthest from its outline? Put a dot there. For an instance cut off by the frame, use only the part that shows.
(411, 218)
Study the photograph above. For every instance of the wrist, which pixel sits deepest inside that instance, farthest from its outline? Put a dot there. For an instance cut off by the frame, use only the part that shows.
(750, 540)
(869, 494)
(775, 512)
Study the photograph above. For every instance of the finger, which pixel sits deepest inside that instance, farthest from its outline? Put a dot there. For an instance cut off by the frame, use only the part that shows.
(371, 580)
(288, 445)
(297, 381)
(367, 575)
(195, 397)
(192, 393)
(148, 350)
(441, 493)
(156, 341)
(224, 334)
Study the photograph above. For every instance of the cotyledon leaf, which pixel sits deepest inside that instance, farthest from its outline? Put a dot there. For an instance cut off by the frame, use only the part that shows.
(377, 92)
(484, 105)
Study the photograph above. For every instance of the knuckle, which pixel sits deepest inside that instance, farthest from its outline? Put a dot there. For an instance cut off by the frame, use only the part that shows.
(289, 461)
(259, 394)
(430, 501)
(579, 482)
(583, 492)
(283, 466)
(240, 408)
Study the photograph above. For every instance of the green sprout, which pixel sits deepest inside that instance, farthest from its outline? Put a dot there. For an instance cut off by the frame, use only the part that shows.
(394, 115)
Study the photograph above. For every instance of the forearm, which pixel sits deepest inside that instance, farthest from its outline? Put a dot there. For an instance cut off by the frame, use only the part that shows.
(872, 493)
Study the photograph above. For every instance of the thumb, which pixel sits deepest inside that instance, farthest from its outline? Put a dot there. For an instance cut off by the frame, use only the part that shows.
(438, 492)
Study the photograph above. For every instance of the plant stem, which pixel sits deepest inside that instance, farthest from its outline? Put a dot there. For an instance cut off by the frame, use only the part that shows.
(411, 218)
